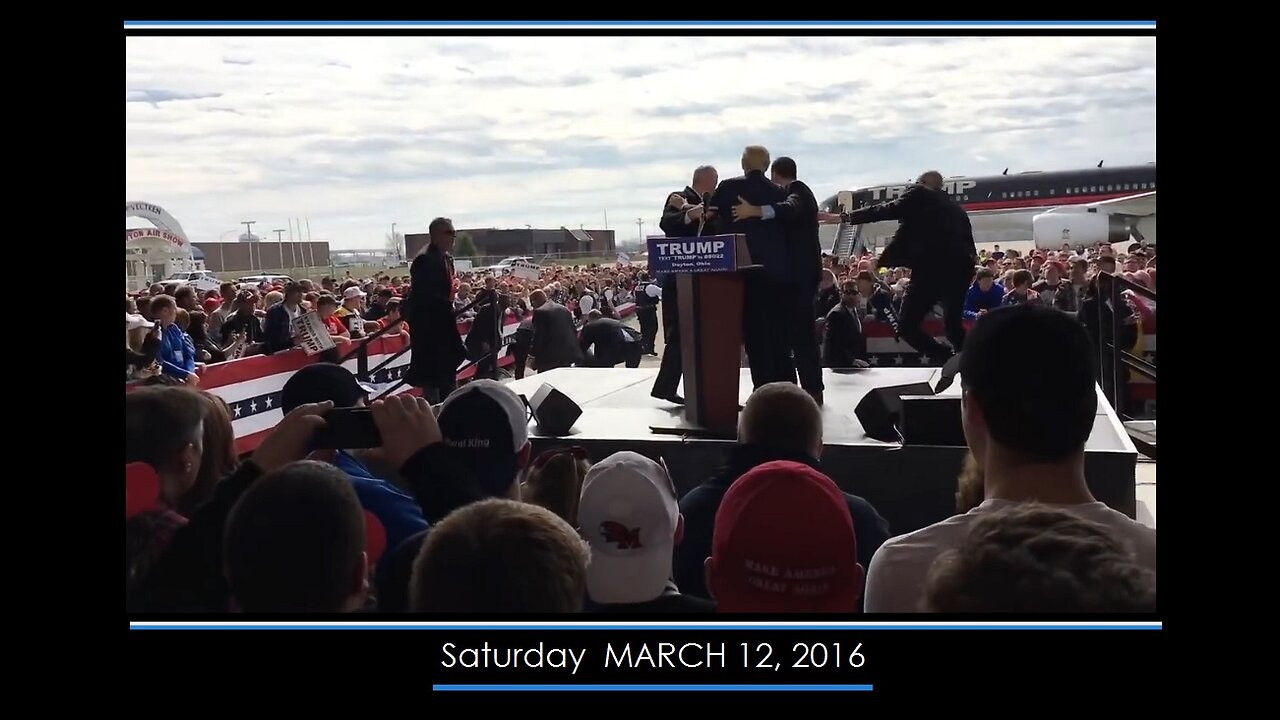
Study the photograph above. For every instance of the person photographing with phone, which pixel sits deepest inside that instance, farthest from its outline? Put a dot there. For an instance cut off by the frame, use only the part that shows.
(349, 430)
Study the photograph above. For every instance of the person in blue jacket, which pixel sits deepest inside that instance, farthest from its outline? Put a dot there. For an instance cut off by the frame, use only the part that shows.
(177, 353)
(985, 294)
(399, 513)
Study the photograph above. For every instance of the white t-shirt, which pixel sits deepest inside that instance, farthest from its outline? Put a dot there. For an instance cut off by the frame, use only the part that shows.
(896, 578)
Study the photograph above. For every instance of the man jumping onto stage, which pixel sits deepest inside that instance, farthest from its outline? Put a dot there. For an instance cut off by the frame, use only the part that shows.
(934, 239)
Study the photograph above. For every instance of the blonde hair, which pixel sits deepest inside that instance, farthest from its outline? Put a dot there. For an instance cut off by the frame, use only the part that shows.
(500, 556)
(755, 157)
(969, 485)
(557, 484)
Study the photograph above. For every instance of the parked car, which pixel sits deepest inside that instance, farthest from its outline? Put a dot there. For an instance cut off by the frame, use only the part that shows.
(201, 280)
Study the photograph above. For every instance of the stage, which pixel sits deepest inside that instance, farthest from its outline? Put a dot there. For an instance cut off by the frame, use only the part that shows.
(910, 486)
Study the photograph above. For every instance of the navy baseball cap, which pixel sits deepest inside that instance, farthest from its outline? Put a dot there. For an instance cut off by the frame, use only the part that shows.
(485, 426)
(321, 382)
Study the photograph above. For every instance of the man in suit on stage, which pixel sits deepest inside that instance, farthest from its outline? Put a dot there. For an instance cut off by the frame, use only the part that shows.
(683, 215)
(437, 346)
(934, 239)
(555, 337)
(799, 216)
(768, 350)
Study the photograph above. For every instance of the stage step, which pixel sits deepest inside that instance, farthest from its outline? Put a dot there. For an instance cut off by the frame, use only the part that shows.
(1143, 435)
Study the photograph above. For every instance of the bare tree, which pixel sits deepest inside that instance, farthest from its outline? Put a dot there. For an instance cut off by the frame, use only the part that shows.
(395, 246)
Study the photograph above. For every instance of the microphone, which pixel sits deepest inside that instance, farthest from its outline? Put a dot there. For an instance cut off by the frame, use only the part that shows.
(706, 204)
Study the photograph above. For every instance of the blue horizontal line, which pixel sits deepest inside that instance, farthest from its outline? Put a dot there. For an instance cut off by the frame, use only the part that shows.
(410, 23)
(651, 688)
(610, 627)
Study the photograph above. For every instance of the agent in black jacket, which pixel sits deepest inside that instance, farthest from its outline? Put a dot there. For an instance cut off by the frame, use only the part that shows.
(683, 215)
(799, 217)
(437, 346)
(934, 239)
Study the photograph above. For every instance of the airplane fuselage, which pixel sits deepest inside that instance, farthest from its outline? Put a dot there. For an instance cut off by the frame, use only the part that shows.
(1001, 207)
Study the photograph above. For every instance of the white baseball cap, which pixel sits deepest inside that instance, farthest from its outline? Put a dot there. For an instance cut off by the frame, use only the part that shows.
(628, 514)
(133, 322)
(352, 292)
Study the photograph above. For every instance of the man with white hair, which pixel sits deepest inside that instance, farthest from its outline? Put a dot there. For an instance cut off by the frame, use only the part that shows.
(763, 316)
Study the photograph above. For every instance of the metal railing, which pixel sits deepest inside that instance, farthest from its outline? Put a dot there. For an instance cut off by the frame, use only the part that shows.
(361, 353)
(1113, 361)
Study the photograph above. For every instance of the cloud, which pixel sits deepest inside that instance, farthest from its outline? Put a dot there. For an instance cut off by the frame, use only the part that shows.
(237, 61)
(156, 97)
(552, 131)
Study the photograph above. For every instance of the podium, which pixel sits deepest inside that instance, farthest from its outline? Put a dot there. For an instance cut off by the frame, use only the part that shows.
(709, 282)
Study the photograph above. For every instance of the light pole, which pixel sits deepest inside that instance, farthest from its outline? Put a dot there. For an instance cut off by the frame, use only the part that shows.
(640, 229)
(395, 240)
(248, 231)
(280, 246)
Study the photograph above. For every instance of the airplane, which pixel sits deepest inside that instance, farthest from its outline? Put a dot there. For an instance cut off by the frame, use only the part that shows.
(1075, 207)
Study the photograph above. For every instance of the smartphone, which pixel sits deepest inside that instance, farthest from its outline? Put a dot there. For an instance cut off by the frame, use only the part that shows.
(348, 428)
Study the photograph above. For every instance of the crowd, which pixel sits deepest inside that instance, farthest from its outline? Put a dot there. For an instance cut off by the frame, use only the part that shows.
(453, 513)
(172, 331)
(853, 291)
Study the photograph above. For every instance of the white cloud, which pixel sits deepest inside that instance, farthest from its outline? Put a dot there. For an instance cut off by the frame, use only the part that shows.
(357, 133)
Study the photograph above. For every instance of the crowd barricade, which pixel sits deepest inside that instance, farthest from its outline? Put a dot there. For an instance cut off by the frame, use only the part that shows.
(886, 351)
(251, 386)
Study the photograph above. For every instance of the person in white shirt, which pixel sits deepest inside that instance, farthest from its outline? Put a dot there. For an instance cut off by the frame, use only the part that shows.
(1030, 449)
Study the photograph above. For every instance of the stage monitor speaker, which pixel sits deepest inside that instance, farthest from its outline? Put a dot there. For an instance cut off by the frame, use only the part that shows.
(554, 412)
(944, 376)
(880, 410)
(931, 420)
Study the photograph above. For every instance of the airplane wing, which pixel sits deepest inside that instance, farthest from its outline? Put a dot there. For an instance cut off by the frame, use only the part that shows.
(1140, 205)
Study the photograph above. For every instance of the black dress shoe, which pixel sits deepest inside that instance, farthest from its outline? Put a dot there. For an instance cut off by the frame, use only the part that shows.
(672, 398)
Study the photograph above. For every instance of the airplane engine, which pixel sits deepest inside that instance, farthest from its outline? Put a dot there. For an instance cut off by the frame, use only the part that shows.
(1051, 230)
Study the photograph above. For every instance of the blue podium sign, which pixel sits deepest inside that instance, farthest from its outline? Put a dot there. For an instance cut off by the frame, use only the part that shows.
(715, 253)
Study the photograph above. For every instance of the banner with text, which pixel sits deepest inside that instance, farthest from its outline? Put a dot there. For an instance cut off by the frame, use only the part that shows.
(717, 253)
(313, 336)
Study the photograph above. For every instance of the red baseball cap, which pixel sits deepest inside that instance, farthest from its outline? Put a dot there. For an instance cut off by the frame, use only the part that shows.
(211, 304)
(141, 489)
(784, 542)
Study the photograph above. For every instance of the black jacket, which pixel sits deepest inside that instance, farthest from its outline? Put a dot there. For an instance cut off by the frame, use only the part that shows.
(483, 336)
(933, 234)
(606, 334)
(799, 217)
(842, 338)
(437, 346)
(555, 338)
(765, 240)
(673, 225)
(699, 508)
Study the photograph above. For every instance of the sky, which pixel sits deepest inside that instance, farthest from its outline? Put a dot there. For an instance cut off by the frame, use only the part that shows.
(355, 134)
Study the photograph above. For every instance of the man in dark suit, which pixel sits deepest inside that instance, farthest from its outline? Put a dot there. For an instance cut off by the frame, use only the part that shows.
(768, 350)
(934, 239)
(555, 339)
(843, 344)
(437, 346)
(605, 342)
(484, 336)
(800, 218)
(683, 215)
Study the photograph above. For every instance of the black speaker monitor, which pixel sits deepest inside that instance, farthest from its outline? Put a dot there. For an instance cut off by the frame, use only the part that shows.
(931, 420)
(554, 412)
(881, 408)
